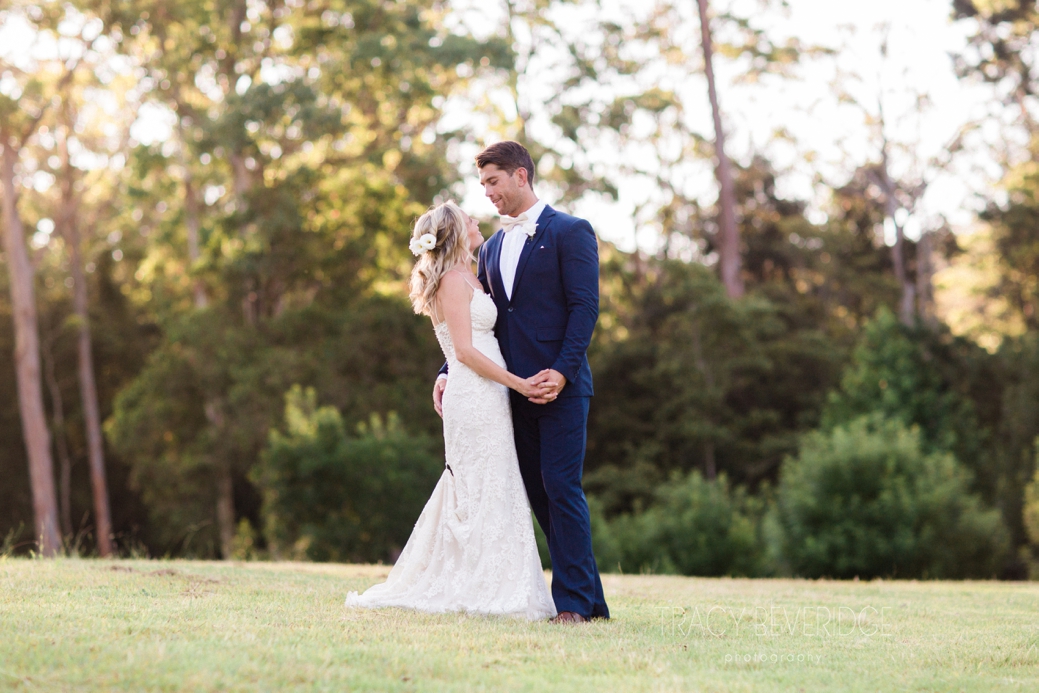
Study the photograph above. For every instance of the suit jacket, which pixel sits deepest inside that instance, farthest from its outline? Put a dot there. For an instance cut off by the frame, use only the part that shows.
(549, 320)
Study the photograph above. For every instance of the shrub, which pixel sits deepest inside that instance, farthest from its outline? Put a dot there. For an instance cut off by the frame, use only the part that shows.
(328, 496)
(912, 375)
(865, 500)
(1030, 519)
(694, 527)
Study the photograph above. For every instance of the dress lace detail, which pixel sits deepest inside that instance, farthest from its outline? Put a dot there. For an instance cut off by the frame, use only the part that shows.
(473, 546)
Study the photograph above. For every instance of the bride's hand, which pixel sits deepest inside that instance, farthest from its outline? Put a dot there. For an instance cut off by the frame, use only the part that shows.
(536, 387)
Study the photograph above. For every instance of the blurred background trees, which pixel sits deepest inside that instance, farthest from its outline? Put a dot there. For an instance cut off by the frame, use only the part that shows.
(232, 282)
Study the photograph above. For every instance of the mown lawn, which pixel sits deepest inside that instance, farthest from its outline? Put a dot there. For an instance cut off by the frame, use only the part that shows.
(87, 625)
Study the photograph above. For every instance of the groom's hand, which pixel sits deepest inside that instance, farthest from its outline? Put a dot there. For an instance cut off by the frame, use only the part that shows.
(551, 383)
(438, 395)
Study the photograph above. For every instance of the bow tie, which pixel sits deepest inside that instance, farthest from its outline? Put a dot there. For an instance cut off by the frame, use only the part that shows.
(509, 223)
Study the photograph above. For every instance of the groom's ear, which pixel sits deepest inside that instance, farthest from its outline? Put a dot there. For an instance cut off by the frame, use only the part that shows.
(521, 177)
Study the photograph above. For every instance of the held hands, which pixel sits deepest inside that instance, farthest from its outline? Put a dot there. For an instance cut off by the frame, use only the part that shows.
(546, 386)
(541, 388)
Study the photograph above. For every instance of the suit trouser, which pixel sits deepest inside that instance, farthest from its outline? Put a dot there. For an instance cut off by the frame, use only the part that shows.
(550, 443)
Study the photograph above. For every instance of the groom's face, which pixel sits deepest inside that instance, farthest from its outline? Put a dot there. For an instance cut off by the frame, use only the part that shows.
(504, 190)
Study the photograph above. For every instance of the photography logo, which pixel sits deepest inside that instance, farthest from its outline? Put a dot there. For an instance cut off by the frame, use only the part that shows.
(807, 621)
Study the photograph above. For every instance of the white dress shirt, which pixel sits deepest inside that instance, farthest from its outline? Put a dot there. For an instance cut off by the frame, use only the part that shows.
(512, 244)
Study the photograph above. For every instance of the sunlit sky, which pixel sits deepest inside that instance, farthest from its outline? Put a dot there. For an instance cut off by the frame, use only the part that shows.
(827, 140)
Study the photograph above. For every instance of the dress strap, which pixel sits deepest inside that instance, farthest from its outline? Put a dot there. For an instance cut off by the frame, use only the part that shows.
(467, 276)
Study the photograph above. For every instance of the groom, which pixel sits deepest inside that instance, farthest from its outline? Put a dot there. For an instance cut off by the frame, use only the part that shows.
(542, 270)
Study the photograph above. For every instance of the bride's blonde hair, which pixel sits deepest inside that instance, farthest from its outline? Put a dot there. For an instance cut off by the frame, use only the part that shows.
(447, 222)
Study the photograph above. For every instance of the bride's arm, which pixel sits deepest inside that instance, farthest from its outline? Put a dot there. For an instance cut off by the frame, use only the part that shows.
(454, 296)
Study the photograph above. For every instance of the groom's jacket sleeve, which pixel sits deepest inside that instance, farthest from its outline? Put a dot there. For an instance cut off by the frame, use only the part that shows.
(579, 267)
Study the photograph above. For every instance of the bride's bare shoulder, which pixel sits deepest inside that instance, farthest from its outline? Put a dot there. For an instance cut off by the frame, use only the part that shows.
(452, 281)
(454, 287)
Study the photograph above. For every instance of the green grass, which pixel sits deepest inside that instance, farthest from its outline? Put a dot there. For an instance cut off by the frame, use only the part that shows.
(85, 625)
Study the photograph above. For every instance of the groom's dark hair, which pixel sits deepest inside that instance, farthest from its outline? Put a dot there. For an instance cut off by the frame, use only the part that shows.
(508, 156)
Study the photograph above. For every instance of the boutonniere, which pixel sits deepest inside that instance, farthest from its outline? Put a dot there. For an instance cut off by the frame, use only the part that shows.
(531, 231)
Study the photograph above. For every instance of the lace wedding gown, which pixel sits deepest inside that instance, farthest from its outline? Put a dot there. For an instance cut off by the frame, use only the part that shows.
(473, 546)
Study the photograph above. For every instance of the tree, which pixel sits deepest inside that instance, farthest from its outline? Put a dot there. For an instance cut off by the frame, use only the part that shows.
(687, 378)
(865, 499)
(69, 128)
(21, 111)
(902, 177)
(1001, 52)
(908, 375)
(729, 247)
(27, 348)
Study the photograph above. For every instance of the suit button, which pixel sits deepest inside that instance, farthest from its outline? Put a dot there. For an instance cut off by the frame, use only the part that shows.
(510, 309)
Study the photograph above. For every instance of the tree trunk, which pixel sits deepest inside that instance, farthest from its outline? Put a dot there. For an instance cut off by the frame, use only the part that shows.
(710, 467)
(906, 310)
(27, 363)
(729, 235)
(191, 213)
(91, 410)
(87, 383)
(225, 512)
(60, 442)
(925, 279)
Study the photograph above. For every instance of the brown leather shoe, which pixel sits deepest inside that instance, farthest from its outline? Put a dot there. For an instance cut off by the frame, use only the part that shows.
(569, 617)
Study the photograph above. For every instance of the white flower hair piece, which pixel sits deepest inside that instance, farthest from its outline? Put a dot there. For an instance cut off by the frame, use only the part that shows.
(423, 244)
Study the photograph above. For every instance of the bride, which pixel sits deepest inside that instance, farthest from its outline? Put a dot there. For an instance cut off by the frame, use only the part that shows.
(473, 546)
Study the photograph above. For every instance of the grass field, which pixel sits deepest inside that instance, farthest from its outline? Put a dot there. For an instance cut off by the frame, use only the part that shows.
(86, 625)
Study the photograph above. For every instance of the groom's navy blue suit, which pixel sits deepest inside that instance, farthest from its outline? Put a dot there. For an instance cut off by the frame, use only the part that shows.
(548, 323)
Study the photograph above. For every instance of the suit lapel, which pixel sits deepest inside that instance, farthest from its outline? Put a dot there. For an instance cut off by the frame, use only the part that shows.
(494, 267)
(530, 244)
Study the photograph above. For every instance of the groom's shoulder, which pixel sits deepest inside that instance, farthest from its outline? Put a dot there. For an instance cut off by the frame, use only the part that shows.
(567, 221)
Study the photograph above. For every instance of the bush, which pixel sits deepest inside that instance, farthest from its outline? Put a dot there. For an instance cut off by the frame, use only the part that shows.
(328, 496)
(865, 500)
(914, 376)
(1030, 519)
(694, 527)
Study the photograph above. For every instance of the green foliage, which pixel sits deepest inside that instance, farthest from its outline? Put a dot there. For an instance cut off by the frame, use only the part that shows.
(328, 496)
(1015, 426)
(687, 378)
(208, 395)
(866, 499)
(1030, 520)
(262, 244)
(921, 378)
(694, 527)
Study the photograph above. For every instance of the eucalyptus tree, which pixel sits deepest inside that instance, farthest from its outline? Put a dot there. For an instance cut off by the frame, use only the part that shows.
(83, 145)
(1002, 51)
(30, 88)
(729, 247)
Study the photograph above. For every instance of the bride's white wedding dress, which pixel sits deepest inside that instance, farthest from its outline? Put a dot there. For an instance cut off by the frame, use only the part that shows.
(473, 546)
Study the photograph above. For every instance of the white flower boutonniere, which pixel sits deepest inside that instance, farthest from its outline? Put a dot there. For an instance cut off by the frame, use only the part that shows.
(423, 244)
(531, 230)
